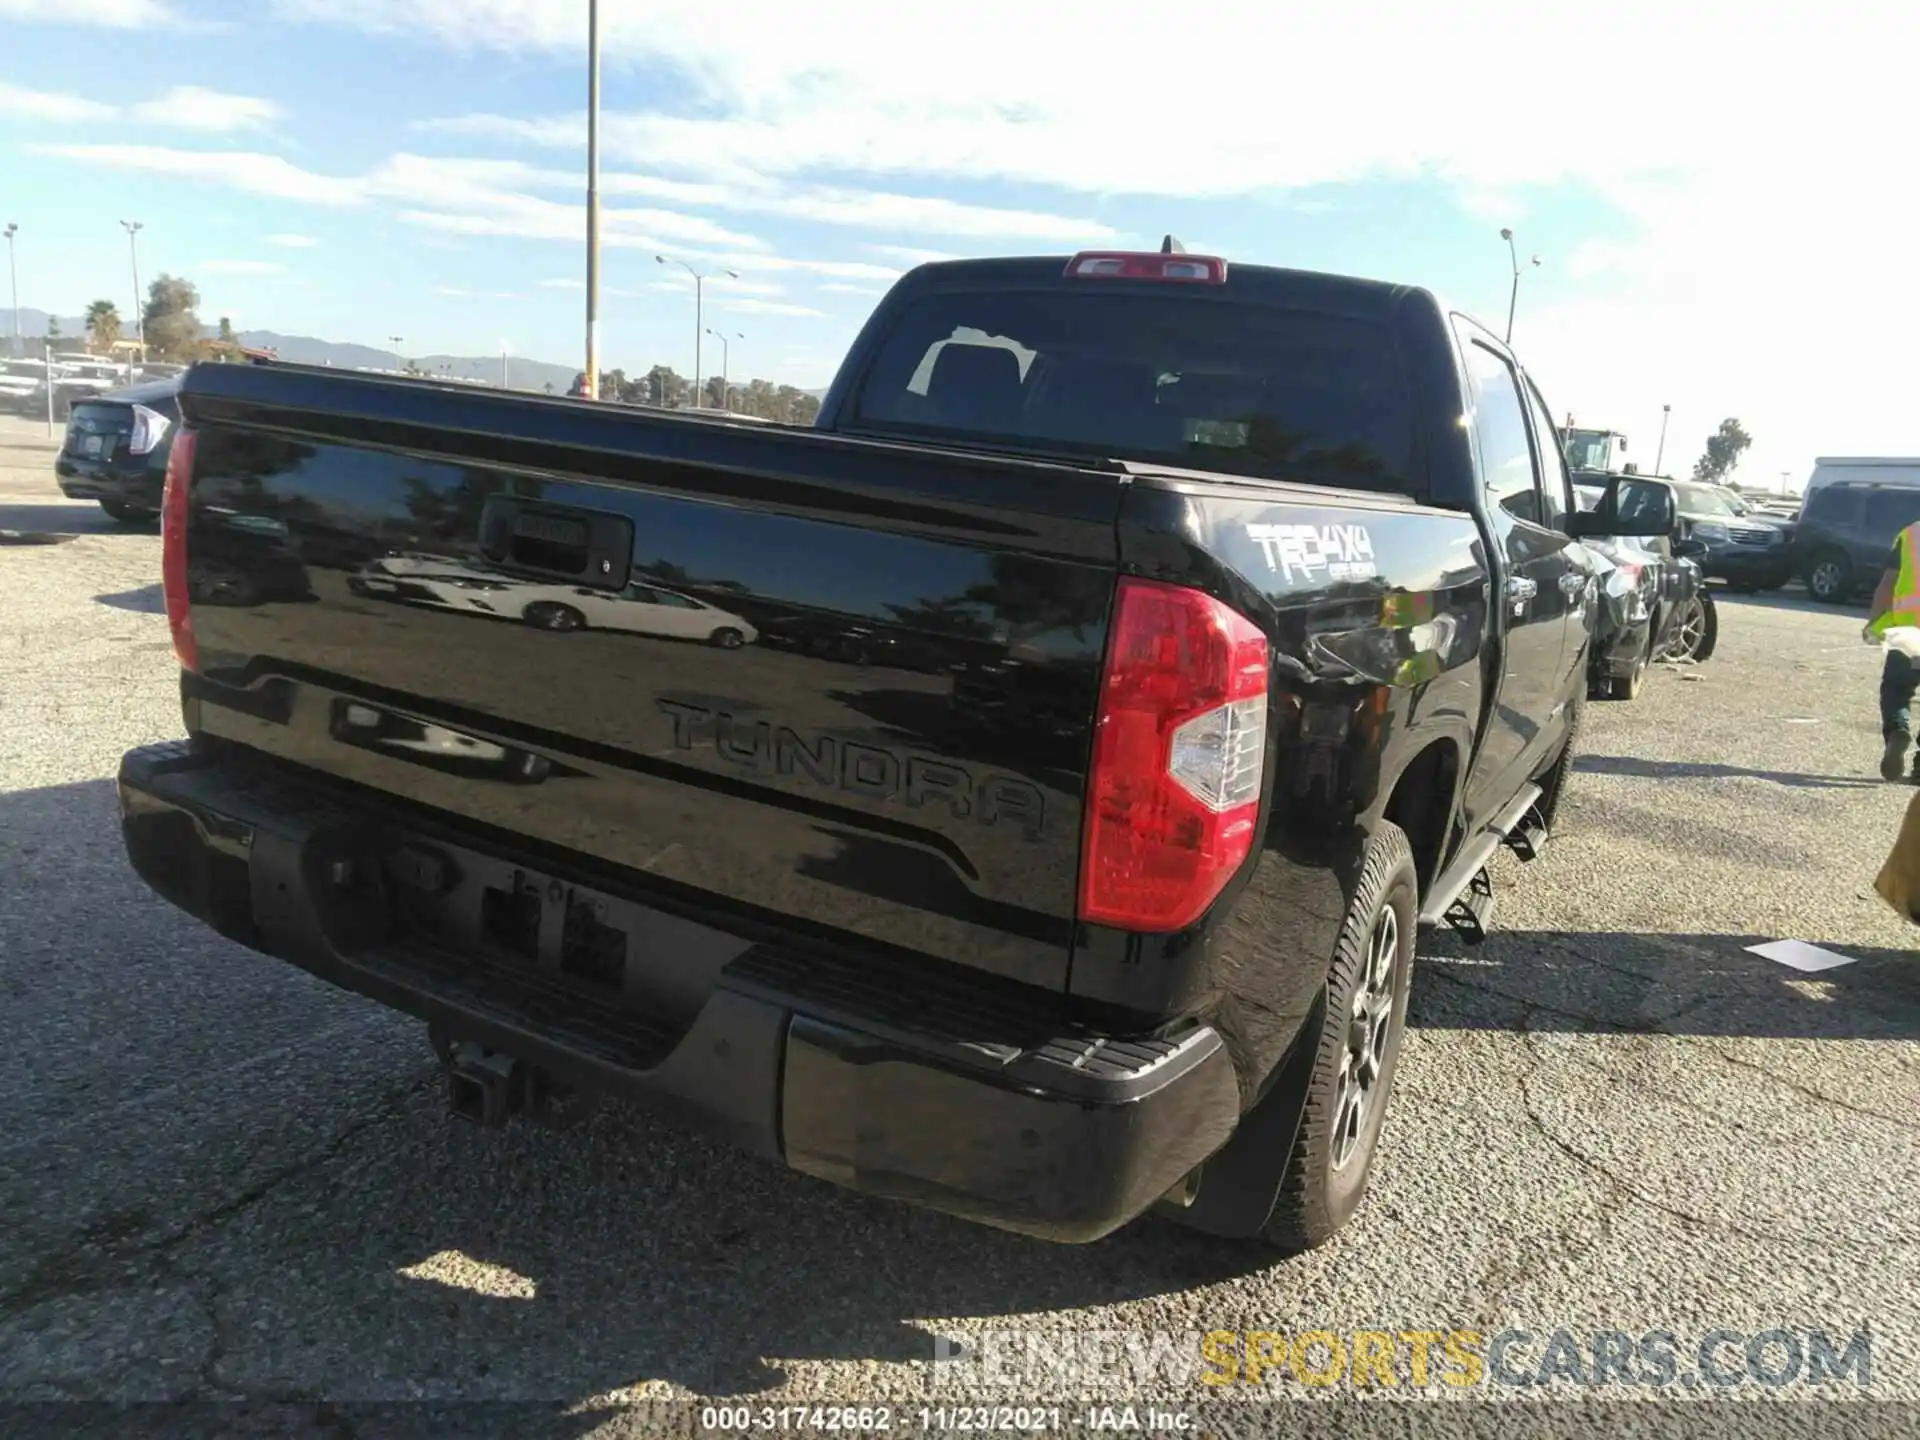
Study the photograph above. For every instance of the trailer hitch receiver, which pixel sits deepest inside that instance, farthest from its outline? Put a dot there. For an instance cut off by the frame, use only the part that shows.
(484, 1086)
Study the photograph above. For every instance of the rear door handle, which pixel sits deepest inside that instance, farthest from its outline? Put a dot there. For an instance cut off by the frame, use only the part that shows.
(1573, 582)
(1521, 589)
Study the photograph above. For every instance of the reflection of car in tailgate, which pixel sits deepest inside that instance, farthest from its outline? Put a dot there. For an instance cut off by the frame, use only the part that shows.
(1102, 897)
(639, 607)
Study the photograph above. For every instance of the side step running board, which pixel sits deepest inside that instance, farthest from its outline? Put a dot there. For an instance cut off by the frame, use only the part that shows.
(1462, 897)
(1529, 838)
(1471, 915)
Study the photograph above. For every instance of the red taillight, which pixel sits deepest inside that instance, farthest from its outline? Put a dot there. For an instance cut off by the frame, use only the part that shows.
(173, 548)
(1179, 751)
(1147, 265)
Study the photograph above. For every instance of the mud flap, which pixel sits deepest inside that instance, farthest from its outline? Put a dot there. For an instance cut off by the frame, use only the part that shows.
(1237, 1188)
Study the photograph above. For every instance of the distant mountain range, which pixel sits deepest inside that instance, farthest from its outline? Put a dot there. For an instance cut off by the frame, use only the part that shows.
(522, 373)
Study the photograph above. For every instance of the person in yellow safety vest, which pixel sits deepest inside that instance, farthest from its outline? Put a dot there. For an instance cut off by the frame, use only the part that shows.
(1896, 626)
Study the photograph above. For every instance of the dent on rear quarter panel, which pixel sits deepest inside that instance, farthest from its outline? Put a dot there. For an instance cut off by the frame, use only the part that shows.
(1377, 610)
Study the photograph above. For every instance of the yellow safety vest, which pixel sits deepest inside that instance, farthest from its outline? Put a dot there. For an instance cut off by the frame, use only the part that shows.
(1904, 608)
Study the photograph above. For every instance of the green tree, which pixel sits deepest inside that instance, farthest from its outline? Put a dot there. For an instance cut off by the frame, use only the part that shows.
(172, 316)
(794, 406)
(53, 328)
(226, 332)
(665, 387)
(103, 324)
(1724, 449)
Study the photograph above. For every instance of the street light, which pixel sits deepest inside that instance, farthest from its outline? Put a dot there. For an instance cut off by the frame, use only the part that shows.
(699, 324)
(726, 356)
(133, 228)
(12, 275)
(1665, 411)
(1514, 298)
(592, 391)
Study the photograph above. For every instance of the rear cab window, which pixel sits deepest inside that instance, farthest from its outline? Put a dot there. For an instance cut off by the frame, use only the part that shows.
(1199, 382)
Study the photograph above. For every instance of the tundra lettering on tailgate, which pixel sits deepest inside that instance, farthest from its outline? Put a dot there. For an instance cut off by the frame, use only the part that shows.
(856, 768)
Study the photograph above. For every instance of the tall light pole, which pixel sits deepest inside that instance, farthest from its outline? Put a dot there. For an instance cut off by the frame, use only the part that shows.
(1513, 299)
(592, 391)
(1665, 411)
(699, 324)
(503, 364)
(13, 344)
(133, 228)
(726, 358)
(396, 341)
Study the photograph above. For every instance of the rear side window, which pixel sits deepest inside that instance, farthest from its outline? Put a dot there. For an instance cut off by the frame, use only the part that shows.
(1891, 511)
(1197, 382)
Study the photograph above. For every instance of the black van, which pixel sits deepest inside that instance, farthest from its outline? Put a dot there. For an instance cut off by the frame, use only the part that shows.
(1845, 533)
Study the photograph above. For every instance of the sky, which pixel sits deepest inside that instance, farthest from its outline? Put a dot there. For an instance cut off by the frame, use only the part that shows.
(1721, 195)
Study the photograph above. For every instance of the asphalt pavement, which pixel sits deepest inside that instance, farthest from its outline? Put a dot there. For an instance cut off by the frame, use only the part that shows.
(222, 1179)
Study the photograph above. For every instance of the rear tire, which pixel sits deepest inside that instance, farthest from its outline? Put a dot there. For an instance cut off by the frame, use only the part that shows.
(1553, 782)
(727, 638)
(1358, 1052)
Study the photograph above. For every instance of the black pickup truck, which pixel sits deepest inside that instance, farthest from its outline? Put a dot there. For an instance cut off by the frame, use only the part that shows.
(1134, 657)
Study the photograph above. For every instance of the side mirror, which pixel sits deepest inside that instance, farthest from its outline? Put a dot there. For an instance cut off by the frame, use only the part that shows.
(1632, 507)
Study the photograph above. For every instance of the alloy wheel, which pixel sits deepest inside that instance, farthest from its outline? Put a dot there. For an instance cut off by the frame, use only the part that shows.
(1689, 631)
(1369, 1028)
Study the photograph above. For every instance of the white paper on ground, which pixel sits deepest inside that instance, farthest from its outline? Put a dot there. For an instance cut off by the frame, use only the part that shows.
(1799, 955)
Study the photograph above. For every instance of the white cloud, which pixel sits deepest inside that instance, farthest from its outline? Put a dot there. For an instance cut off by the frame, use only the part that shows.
(241, 267)
(114, 14)
(839, 289)
(192, 107)
(460, 294)
(529, 218)
(251, 172)
(674, 278)
(911, 255)
(48, 105)
(838, 269)
(1766, 278)
(863, 209)
(729, 305)
(185, 107)
(293, 242)
(1785, 308)
(747, 193)
(563, 285)
(852, 86)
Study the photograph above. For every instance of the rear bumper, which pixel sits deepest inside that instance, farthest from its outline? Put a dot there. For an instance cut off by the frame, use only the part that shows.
(934, 1089)
(133, 482)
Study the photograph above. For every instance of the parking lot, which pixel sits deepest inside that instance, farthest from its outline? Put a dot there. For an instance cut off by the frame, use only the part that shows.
(223, 1178)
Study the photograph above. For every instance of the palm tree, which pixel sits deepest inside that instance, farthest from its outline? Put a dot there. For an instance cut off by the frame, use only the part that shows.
(103, 324)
